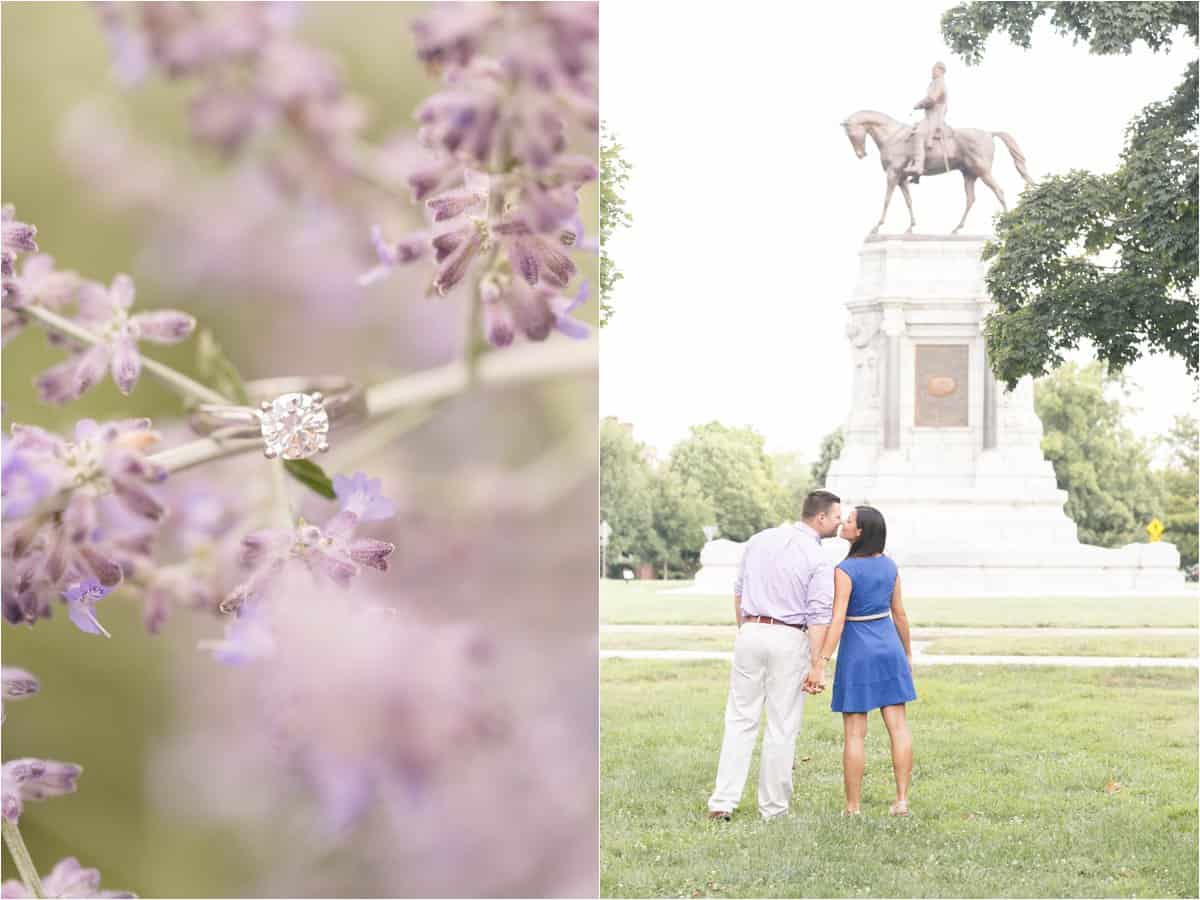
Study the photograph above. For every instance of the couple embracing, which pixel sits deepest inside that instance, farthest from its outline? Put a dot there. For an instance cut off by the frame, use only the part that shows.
(793, 607)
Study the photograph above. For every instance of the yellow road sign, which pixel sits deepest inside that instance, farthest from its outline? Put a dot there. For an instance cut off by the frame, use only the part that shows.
(1155, 530)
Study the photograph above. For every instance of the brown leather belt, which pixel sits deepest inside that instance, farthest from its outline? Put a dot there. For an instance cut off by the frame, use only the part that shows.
(767, 620)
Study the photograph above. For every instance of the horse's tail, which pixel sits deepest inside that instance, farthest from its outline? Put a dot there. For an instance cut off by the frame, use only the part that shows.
(1017, 156)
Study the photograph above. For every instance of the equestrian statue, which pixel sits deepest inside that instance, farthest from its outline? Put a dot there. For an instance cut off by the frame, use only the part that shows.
(930, 148)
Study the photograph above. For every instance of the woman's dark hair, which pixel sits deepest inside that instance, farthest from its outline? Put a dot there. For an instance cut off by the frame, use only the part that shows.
(874, 532)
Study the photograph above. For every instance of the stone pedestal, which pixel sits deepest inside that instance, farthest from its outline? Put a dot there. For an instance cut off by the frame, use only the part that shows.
(952, 460)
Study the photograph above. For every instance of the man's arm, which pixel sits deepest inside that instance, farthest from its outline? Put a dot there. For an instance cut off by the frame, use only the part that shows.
(820, 605)
(738, 583)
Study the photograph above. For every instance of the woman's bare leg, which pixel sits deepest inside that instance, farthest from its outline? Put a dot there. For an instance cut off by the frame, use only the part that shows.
(854, 757)
(896, 721)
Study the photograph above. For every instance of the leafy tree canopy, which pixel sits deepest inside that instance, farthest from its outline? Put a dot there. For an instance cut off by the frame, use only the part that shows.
(1112, 494)
(1107, 257)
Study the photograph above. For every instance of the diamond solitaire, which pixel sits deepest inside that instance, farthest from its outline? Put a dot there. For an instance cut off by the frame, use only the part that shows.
(295, 426)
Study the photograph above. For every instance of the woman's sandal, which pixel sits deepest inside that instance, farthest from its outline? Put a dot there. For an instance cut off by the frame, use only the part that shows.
(898, 809)
(846, 813)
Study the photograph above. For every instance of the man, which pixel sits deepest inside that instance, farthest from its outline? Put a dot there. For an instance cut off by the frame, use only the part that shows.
(932, 127)
(783, 601)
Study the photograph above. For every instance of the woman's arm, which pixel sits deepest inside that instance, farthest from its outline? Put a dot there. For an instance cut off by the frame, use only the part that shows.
(841, 601)
(901, 619)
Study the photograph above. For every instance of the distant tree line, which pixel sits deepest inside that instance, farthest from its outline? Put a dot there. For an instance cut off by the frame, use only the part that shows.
(721, 475)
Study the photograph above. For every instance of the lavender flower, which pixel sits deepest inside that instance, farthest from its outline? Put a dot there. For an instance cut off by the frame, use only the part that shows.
(99, 536)
(23, 485)
(15, 237)
(328, 553)
(39, 282)
(81, 600)
(511, 305)
(363, 497)
(68, 879)
(18, 684)
(34, 779)
(409, 248)
(248, 638)
(253, 75)
(105, 312)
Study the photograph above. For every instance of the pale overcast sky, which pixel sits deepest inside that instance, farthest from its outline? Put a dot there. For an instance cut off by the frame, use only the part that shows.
(750, 205)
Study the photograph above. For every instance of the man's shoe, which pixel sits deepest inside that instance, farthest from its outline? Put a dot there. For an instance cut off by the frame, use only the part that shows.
(719, 815)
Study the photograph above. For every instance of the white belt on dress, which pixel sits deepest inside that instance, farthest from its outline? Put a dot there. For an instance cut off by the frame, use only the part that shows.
(882, 615)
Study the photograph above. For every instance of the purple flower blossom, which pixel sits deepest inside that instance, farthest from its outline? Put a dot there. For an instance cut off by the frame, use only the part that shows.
(34, 779)
(331, 553)
(68, 879)
(409, 248)
(98, 537)
(39, 282)
(562, 307)
(18, 684)
(105, 313)
(23, 485)
(363, 496)
(248, 638)
(15, 238)
(81, 605)
(511, 305)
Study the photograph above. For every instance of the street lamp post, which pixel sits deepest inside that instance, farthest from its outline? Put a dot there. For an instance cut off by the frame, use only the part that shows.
(605, 534)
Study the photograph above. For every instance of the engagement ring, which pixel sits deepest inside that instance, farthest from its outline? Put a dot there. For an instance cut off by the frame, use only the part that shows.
(294, 414)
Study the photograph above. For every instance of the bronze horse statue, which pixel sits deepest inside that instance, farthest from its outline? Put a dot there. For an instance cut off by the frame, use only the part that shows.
(967, 150)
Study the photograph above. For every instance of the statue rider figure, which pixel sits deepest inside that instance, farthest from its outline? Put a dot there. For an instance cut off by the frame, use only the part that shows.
(932, 128)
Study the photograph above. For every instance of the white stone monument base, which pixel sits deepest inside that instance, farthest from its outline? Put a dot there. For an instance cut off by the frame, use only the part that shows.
(1077, 570)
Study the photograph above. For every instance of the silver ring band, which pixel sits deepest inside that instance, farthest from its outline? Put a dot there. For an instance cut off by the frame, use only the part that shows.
(293, 417)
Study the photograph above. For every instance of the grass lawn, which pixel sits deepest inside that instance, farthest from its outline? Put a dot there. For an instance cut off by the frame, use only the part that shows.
(1037, 782)
(711, 638)
(1157, 645)
(716, 638)
(640, 603)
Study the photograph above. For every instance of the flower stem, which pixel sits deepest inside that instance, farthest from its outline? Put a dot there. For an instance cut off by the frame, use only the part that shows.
(24, 862)
(176, 381)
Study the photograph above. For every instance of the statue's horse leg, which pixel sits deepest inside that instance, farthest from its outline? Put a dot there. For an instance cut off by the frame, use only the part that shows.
(912, 220)
(892, 179)
(986, 177)
(969, 187)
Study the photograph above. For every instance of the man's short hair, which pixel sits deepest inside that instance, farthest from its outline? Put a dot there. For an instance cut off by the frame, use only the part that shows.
(818, 502)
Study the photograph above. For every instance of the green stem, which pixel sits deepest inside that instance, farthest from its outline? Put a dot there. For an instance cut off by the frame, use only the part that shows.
(20, 855)
(176, 381)
(514, 366)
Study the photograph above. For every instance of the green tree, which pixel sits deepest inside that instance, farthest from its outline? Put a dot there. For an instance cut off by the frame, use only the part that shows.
(1180, 479)
(831, 449)
(1110, 258)
(795, 477)
(734, 475)
(1112, 494)
(614, 173)
(680, 514)
(626, 494)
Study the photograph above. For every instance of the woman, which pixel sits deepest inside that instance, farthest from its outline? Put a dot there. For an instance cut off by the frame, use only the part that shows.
(874, 669)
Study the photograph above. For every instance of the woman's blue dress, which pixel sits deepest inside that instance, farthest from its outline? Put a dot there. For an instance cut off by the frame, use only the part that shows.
(872, 670)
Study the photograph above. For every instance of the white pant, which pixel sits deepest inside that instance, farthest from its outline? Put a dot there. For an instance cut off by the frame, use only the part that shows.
(769, 663)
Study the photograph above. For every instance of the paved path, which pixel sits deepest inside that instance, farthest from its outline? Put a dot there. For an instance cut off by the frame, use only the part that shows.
(932, 633)
(943, 659)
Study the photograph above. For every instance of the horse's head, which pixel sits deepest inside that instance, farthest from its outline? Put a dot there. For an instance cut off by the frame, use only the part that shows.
(857, 133)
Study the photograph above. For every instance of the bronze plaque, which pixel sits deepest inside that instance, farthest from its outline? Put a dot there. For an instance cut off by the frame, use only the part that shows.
(941, 385)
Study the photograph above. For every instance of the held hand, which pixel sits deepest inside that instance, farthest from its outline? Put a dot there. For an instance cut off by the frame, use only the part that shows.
(814, 682)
